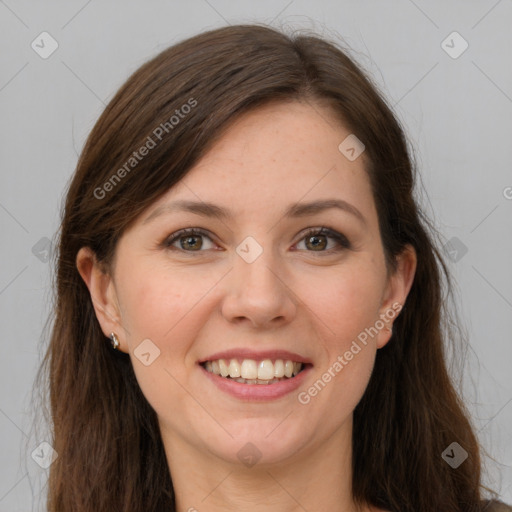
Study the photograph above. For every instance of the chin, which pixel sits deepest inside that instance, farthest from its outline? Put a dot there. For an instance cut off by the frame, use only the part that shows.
(260, 441)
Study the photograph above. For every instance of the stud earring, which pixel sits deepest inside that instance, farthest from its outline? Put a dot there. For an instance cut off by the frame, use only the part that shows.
(114, 340)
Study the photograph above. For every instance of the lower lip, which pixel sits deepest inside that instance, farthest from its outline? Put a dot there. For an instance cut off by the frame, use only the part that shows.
(258, 392)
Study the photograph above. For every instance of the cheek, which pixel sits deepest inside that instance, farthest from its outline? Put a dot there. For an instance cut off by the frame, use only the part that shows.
(155, 301)
(159, 306)
(346, 301)
(346, 304)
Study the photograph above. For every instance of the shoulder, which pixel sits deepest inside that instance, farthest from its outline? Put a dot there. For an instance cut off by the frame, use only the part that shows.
(495, 506)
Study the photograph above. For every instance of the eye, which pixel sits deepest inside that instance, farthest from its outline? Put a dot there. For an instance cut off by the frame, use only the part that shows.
(190, 239)
(317, 239)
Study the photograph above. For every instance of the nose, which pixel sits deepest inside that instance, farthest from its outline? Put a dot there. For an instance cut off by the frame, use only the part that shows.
(257, 293)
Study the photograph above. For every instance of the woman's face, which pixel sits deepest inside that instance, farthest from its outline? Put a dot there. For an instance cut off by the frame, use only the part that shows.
(261, 285)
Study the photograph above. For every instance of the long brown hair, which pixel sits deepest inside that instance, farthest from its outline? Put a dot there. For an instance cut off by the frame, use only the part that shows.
(111, 456)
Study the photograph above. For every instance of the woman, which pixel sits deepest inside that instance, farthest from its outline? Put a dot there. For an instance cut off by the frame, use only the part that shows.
(250, 311)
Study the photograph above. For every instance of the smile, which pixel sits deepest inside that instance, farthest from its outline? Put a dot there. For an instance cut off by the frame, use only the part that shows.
(250, 371)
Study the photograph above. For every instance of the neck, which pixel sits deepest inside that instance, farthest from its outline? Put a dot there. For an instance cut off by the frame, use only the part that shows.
(316, 474)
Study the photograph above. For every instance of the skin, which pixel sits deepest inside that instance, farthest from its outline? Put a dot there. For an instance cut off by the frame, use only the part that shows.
(294, 296)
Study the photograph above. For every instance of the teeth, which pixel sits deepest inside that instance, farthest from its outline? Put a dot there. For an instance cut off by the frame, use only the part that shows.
(234, 369)
(249, 370)
(279, 368)
(224, 370)
(254, 372)
(265, 370)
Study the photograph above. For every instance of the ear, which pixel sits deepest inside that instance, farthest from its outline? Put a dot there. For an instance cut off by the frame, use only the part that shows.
(103, 294)
(397, 288)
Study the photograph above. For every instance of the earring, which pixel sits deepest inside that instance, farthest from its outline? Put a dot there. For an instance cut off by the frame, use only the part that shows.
(114, 340)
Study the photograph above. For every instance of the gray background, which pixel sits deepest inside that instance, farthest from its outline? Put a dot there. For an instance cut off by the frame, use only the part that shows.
(457, 111)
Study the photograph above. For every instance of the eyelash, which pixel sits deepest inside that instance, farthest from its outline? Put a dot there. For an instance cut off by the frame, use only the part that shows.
(342, 241)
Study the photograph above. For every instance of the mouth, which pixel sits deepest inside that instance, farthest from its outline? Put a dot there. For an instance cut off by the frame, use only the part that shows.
(255, 372)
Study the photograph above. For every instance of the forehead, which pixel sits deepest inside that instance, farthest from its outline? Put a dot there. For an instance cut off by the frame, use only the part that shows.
(281, 133)
(274, 156)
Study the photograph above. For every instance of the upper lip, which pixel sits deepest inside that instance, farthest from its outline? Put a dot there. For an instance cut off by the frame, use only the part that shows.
(245, 353)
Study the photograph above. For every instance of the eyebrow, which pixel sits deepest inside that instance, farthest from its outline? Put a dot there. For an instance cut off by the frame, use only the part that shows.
(295, 210)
